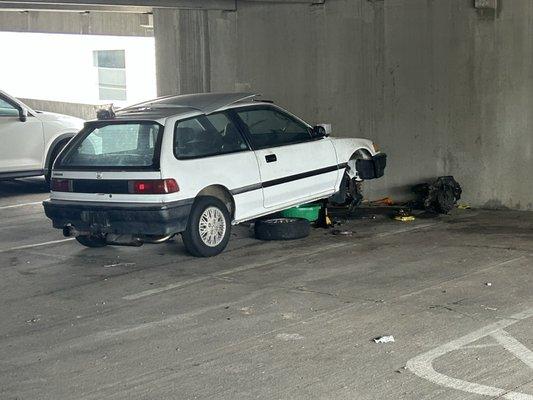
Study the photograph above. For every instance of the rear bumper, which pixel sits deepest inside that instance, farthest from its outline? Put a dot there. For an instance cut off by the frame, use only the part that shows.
(373, 168)
(120, 218)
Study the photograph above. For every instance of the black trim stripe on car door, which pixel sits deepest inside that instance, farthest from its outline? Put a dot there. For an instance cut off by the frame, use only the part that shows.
(287, 179)
(117, 186)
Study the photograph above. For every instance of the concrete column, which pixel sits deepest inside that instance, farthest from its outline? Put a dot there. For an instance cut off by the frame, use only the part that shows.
(182, 51)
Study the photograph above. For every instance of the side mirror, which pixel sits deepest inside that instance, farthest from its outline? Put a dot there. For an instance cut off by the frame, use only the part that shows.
(322, 130)
(23, 114)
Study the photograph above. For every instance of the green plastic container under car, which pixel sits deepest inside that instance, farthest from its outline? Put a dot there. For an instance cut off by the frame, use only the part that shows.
(309, 212)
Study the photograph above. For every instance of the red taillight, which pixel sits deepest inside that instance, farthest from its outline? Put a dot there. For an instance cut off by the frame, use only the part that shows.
(61, 185)
(160, 186)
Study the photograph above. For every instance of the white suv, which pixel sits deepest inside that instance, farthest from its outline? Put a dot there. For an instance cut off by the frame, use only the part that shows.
(197, 164)
(31, 139)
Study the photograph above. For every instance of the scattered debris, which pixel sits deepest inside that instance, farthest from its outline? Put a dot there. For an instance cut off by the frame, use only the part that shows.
(384, 339)
(289, 336)
(247, 310)
(404, 216)
(288, 315)
(33, 320)
(120, 264)
(338, 232)
(489, 308)
(386, 201)
(440, 306)
(439, 196)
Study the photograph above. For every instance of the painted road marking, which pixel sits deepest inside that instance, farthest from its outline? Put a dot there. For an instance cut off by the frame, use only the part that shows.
(20, 205)
(514, 346)
(422, 365)
(31, 246)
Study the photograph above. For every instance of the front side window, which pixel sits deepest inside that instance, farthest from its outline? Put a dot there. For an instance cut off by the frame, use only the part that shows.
(207, 135)
(270, 128)
(111, 66)
(7, 109)
(131, 144)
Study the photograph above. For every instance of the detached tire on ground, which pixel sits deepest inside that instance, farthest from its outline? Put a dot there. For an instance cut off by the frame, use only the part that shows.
(282, 228)
(208, 229)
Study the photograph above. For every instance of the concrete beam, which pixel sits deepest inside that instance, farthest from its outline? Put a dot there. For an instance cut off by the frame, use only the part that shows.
(117, 5)
(91, 23)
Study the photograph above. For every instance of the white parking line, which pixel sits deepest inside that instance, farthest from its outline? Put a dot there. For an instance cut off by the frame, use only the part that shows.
(514, 346)
(422, 365)
(34, 203)
(30, 246)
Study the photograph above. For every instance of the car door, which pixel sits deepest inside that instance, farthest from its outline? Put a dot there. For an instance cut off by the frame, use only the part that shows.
(211, 151)
(293, 165)
(22, 142)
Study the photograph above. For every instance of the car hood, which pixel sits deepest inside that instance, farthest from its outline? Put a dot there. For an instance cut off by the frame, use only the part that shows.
(66, 120)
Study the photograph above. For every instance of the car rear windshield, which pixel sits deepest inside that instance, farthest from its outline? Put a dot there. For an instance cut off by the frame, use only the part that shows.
(114, 145)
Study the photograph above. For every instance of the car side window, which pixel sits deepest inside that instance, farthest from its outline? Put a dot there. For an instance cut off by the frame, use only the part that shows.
(207, 135)
(270, 128)
(7, 109)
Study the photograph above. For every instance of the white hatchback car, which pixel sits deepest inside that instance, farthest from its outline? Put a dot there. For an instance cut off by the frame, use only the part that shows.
(31, 139)
(197, 164)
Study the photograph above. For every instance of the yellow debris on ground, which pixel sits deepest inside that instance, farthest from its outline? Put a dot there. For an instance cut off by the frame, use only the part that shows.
(404, 218)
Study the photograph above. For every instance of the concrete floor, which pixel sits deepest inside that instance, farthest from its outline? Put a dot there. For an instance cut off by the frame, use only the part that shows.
(272, 320)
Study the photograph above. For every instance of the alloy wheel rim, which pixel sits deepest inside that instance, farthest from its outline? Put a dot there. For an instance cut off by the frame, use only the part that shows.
(212, 226)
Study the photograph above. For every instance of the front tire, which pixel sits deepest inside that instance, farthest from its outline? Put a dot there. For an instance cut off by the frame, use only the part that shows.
(208, 229)
(91, 241)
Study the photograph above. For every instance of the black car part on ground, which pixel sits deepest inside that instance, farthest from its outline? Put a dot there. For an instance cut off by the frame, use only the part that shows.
(281, 228)
(439, 196)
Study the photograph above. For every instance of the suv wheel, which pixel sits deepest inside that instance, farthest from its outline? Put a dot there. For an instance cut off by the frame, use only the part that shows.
(208, 229)
(91, 241)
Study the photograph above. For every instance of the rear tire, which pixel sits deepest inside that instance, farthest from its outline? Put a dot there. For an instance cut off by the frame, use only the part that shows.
(282, 229)
(208, 229)
(91, 241)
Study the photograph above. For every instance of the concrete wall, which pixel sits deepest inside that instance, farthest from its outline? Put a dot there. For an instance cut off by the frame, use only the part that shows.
(442, 87)
(83, 111)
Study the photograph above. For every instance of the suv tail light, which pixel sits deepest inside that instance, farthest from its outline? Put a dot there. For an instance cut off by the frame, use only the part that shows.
(160, 186)
(61, 185)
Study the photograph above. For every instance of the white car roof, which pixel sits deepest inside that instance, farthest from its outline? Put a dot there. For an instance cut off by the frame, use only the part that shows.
(173, 106)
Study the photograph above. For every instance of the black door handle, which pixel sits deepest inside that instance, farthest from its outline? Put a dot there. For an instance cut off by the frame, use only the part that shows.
(271, 158)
